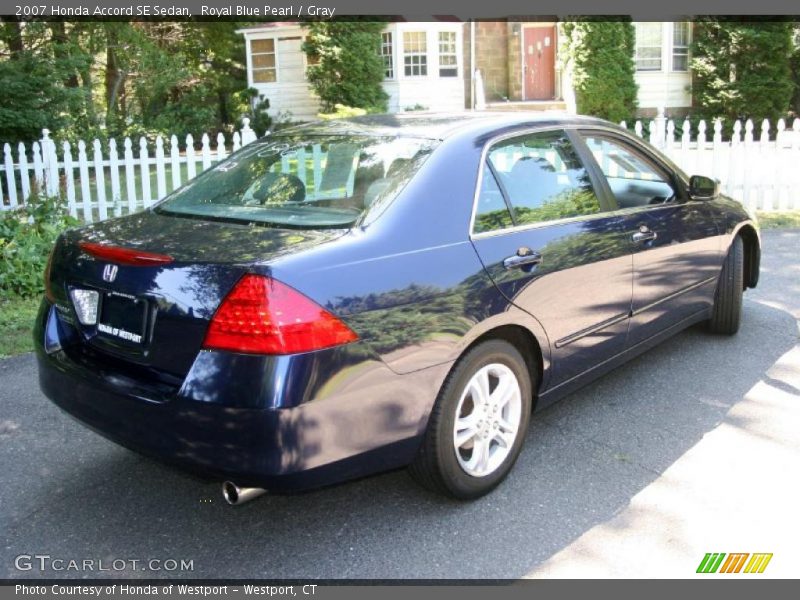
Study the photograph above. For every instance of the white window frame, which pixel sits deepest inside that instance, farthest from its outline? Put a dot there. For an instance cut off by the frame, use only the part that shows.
(251, 63)
(673, 46)
(426, 54)
(661, 65)
(454, 54)
(392, 47)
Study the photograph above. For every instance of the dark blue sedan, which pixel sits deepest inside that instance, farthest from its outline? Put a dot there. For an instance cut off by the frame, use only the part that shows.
(344, 298)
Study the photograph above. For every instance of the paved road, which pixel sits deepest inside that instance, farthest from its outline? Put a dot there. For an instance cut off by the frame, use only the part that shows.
(691, 448)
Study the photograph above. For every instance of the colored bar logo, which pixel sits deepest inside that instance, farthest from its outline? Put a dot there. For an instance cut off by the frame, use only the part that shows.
(716, 562)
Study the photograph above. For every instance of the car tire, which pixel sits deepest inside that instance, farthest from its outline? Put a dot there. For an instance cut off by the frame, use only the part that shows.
(726, 315)
(449, 461)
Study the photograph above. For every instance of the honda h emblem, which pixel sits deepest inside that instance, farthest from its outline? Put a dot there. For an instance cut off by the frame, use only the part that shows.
(110, 273)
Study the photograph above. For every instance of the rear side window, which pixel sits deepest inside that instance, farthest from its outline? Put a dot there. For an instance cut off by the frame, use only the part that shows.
(542, 177)
(492, 211)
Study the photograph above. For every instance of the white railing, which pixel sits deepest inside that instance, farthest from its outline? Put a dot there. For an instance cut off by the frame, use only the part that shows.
(98, 182)
(760, 170)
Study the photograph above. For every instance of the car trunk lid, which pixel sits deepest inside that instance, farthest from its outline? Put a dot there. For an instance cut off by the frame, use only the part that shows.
(154, 317)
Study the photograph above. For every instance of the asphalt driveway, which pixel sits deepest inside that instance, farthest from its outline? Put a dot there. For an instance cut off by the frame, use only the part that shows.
(691, 448)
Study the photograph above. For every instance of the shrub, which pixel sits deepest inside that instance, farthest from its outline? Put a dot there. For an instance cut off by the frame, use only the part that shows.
(601, 56)
(342, 112)
(27, 235)
(742, 69)
(344, 65)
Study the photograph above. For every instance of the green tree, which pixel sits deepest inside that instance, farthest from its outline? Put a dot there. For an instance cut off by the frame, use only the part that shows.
(600, 54)
(795, 65)
(742, 69)
(90, 79)
(344, 65)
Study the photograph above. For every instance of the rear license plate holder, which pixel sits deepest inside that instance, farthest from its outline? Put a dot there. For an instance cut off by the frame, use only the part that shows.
(122, 318)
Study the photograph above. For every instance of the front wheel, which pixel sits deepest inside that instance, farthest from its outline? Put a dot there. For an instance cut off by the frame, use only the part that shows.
(478, 424)
(726, 314)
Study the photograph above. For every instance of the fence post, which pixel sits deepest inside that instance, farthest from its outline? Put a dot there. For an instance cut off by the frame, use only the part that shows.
(38, 169)
(221, 152)
(175, 161)
(113, 167)
(11, 183)
(144, 168)
(50, 164)
(654, 133)
(100, 181)
(24, 178)
(205, 152)
(69, 175)
(130, 175)
(161, 174)
(669, 140)
(661, 128)
(765, 183)
(796, 151)
(86, 192)
(248, 135)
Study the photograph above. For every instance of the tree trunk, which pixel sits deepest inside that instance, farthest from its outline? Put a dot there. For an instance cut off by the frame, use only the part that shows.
(112, 76)
(13, 37)
(62, 53)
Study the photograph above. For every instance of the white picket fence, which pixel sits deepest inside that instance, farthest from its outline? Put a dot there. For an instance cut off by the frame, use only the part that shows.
(121, 181)
(762, 172)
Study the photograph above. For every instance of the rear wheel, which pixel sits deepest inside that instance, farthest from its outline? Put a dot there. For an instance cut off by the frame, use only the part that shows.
(727, 312)
(478, 424)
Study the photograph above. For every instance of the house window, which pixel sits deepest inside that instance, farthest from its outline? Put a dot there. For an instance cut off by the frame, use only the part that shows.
(648, 46)
(387, 53)
(262, 55)
(415, 54)
(680, 47)
(448, 58)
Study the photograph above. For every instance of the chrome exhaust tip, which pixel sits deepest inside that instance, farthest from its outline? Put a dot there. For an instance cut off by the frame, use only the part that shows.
(235, 495)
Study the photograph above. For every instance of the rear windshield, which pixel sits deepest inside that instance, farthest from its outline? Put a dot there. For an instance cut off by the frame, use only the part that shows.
(303, 183)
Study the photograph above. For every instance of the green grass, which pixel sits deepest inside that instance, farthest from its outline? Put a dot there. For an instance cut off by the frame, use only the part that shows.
(16, 325)
(779, 219)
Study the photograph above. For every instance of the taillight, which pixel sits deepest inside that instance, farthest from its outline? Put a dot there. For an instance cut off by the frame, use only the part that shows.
(125, 256)
(264, 316)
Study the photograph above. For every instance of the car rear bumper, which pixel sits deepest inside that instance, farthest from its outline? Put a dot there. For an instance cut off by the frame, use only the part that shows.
(283, 423)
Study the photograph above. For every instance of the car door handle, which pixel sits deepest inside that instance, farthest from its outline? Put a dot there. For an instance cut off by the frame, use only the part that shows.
(644, 235)
(525, 257)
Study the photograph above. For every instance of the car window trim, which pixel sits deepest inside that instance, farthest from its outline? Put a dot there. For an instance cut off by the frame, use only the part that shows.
(598, 178)
(569, 130)
(503, 191)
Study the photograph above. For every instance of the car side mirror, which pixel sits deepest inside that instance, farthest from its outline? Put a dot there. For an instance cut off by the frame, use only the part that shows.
(703, 188)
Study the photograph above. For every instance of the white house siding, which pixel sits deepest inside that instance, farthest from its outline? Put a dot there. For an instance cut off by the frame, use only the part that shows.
(291, 96)
(659, 89)
(665, 88)
(430, 92)
(436, 95)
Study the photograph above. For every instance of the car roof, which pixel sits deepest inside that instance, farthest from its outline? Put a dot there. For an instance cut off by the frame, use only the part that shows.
(437, 125)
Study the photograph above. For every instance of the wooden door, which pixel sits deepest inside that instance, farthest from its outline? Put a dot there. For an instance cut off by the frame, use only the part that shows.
(539, 45)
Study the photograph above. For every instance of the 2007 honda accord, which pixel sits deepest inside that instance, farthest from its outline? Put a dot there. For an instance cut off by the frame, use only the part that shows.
(349, 297)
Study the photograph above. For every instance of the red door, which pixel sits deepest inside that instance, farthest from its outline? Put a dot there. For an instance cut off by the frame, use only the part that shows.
(539, 50)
